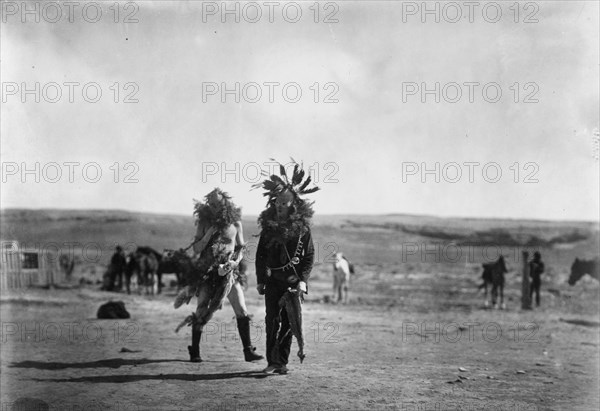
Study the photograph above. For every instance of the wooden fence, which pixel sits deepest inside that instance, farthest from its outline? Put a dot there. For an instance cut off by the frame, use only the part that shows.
(22, 268)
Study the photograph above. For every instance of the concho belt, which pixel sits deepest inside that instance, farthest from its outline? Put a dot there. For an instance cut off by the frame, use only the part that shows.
(295, 260)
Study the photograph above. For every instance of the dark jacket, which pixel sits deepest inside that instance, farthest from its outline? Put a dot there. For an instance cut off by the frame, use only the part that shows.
(536, 268)
(118, 262)
(269, 259)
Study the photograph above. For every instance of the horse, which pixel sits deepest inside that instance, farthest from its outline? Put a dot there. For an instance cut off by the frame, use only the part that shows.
(493, 273)
(144, 263)
(582, 267)
(342, 268)
(173, 262)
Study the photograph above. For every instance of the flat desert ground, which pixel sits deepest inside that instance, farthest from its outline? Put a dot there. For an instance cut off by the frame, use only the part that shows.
(415, 334)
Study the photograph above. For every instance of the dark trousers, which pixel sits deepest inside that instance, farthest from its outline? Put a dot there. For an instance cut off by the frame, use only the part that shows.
(115, 275)
(535, 286)
(279, 336)
(119, 280)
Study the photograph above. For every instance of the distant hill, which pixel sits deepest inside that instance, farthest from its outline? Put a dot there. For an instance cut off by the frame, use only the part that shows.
(371, 239)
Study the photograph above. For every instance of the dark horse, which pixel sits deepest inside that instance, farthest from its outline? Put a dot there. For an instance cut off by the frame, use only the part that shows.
(582, 267)
(493, 273)
(143, 262)
(174, 262)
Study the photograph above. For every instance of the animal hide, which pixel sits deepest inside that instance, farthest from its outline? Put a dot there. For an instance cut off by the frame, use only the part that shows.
(112, 310)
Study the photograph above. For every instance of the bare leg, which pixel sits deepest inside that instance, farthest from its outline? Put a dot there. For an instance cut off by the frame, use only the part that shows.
(237, 300)
(238, 303)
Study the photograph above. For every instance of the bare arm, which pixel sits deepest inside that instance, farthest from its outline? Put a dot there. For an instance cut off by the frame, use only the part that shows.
(239, 241)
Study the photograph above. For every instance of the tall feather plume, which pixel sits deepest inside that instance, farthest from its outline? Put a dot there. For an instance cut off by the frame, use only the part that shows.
(277, 179)
(301, 174)
(261, 184)
(310, 190)
(283, 173)
(306, 183)
(275, 184)
(297, 177)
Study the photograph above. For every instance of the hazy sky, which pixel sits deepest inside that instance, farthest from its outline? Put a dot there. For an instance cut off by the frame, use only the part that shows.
(364, 146)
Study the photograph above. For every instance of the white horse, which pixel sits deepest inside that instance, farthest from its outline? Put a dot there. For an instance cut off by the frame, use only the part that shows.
(342, 268)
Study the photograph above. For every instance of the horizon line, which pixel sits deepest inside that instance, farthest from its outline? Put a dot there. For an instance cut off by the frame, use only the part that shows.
(596, 222)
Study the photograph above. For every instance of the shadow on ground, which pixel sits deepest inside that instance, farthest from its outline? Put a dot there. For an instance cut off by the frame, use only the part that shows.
(160, 377)
(109, 363)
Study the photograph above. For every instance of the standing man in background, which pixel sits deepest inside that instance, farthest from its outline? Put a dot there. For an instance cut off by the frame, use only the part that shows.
(536, 268)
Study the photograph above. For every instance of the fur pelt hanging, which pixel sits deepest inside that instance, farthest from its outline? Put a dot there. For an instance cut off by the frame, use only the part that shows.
(227, 214)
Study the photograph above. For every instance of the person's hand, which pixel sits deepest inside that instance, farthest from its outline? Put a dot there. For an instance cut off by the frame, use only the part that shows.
(302, 287)
(224, 269)
(260, 288)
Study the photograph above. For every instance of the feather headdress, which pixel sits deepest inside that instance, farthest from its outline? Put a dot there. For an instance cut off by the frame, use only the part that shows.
(274, 185)
(298, 221)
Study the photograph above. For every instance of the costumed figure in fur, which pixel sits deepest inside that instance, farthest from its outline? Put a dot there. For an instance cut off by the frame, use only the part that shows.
(284, 260)
(213, 271)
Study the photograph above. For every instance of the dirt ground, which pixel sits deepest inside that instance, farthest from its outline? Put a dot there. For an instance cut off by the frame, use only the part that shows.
(407, 342)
